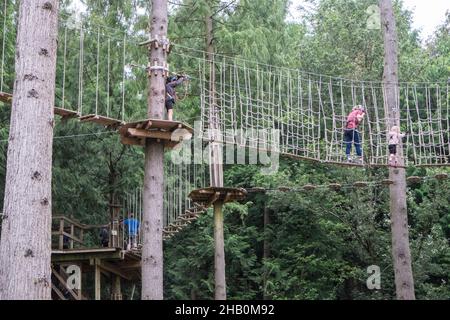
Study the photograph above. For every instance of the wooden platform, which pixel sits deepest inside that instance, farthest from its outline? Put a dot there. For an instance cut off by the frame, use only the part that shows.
(101, 120)
(66, 113)
(126, 264)
(5, 97)
(171, 132)
(211, 195)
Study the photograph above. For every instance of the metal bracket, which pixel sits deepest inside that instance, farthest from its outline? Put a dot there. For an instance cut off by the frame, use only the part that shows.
(164, 43)
(164, 68)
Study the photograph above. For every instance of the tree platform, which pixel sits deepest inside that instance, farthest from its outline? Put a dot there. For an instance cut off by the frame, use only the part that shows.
(209, 196)
(103, 121)
(171, 132)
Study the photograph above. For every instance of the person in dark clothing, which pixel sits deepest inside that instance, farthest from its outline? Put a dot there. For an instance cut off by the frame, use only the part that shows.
(104, 237)
(66, 242)
(171, 94)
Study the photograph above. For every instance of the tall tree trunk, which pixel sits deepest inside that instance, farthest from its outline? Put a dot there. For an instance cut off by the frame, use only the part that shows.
(401, 254)
(266, 248)
(215, 166)
(152, 250)
(25, 247)
(219, 255)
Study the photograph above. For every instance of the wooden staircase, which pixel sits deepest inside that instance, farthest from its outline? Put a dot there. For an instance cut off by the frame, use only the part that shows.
(60, 290)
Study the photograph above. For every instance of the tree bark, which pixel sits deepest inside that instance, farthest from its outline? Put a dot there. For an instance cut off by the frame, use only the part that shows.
(25, 246)
(219, 256)
(401, 254)
(266, 248)
(215, 164)
(152, 249)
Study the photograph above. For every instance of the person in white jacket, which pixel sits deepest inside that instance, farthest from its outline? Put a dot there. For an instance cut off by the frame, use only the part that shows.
(394, 139)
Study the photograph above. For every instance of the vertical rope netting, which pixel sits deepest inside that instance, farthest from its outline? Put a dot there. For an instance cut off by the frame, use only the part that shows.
(80, 73)
(448, 121)
(363, 131)
(252, 97)
(98, 70)
(64, 69)
(108, 77)
(123, 77)
(2, 70)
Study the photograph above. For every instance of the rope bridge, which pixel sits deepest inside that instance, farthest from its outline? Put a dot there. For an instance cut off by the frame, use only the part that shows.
(99, 75)
(179, 210)
(310, 111)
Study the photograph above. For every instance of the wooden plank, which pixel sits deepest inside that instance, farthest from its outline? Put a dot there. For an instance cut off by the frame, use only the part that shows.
(58, 292)
(63, 282)
(113, 269)
(132, 141)
(155, 134)
(5, 97)
(66, 113)
(131, 265)
(86, 255)
(61, 234)
(68, 235)
(101, 120)
(158, 124)
(79, 225)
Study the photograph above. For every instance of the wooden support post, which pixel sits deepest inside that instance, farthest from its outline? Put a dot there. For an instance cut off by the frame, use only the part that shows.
(219, 256)
(61, 234)
(72, 234)
(114, 232)
(97, 281)
(116, 291)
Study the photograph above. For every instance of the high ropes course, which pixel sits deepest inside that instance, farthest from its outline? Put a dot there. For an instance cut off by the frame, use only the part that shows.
(103, 70)
(290, 112)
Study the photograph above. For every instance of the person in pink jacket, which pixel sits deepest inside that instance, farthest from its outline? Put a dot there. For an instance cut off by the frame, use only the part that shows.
(351, 133)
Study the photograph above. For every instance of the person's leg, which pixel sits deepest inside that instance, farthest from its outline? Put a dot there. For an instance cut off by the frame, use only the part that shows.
(357, 141)
(391, 155)
(348, 142)
(169, 108)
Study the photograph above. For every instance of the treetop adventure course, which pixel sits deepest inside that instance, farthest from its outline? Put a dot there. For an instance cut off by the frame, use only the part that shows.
(243, 104)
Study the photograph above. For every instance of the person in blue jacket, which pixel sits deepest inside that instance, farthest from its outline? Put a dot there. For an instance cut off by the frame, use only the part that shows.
(132, 226)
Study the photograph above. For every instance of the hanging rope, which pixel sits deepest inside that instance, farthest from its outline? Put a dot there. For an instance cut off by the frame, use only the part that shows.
(64, 70)
(80, 73)
(123, 78)
(97, 75)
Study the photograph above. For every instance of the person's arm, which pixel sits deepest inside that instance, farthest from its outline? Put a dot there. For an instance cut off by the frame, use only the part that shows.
(360, 117)
(177, 82)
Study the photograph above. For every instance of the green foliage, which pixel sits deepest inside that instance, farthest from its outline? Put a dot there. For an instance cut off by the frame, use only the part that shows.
(320, 242)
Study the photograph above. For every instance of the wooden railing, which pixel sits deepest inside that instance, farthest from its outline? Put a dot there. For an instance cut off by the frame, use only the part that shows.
(70, 232)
